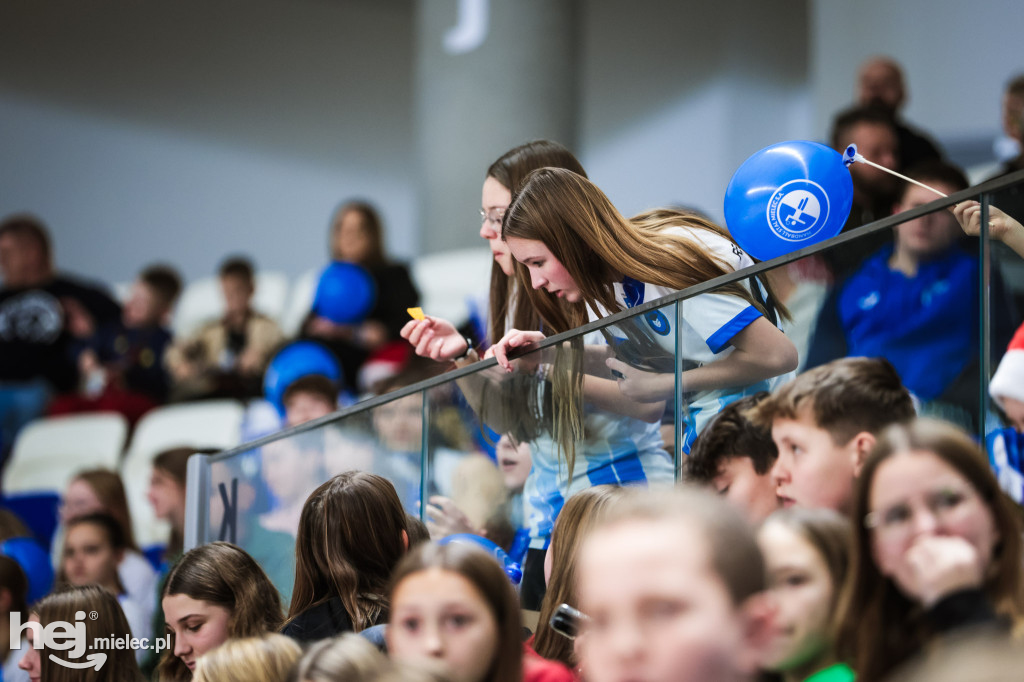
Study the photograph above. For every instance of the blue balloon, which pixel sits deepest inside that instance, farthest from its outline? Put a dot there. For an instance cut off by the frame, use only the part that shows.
(294, 361)
(345, 294)
(788, 196)
(511, 568)
(34, 561)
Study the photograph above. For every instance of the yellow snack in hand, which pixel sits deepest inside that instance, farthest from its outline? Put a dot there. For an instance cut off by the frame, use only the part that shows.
(416, 313)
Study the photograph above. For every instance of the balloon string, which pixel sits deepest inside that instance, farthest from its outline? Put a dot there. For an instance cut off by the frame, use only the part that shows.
(904, 177)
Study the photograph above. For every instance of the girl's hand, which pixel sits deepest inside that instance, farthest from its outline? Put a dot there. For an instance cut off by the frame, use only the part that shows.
(444, 519)
(435, 338)
(936, 566)
(514, 340)
(639, 385)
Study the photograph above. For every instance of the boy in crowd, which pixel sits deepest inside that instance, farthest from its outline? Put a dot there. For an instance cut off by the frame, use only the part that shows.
(897, 304)
(824, 424)
(672, 583)
(227, 357)
(121, 365)
(309, 398)
(735, 457)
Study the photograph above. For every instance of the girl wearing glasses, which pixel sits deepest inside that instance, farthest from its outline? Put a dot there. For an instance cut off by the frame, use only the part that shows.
(937, 546)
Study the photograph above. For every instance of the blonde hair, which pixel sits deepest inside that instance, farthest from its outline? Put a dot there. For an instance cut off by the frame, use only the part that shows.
(268, 658)
(348, 657)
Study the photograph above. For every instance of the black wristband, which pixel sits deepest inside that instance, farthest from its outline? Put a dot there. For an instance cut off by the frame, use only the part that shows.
(469, 347)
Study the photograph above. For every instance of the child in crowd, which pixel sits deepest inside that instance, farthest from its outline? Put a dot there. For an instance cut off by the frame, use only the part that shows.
(735, 457)
(824, 424)
(101, 491)
(167, 495)
(105, 620)
(348, 657)
(227, 357)
(454, 606)
(93, 548)
(265, 658)
(351, 535)
(896, 305)
(807, 554)
(214, 593)
(309, 398)
(561, 567)
(671, 583)
(937, 547)
(121, 365)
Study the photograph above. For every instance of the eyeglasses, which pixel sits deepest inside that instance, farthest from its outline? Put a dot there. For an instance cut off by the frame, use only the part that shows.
(494, 216)
(943, 504)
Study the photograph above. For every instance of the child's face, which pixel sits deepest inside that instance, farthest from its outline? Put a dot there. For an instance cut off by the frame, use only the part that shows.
(658, 610)
(932, 234)
(546, 271)
(79, 499)
(89, 557)
(143, 308)
(237, 292)
(1014, 411)
(750, 492)
(166, 495)
(812, 471)
(305, 407)
(399, 424)
(917, 496)
(439, 616)
(290, 473)
(351, 237)
(198, 626)
(801, 585)
(514, 462)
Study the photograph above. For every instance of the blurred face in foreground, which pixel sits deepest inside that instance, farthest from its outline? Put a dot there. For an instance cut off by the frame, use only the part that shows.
(658, 610)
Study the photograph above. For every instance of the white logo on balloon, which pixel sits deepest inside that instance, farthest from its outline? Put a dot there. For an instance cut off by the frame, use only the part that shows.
(798, 210)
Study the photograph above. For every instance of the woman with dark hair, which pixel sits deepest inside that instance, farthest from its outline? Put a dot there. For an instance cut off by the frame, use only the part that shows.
(352, 533)
(453, 605)
(357, 236)
(214, 593)
(167, 495)
(937, 546)
(105, 621)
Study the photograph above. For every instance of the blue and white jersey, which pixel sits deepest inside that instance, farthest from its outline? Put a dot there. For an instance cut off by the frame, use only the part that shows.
(709, 322)
(616, 450)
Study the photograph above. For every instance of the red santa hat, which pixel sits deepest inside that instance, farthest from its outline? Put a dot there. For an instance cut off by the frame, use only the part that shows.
(1008, 381)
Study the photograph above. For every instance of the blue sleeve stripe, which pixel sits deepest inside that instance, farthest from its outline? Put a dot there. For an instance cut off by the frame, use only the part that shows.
(721, 338)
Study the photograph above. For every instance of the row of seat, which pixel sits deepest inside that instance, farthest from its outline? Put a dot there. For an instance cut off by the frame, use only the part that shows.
(49, 451)
(446, 280)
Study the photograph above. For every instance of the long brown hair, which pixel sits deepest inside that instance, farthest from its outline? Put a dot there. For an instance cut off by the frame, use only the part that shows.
(597, 245)
(110, 621)
(351, 536)
(878, 626)
(223, 575)
(511, 169)
(109, 489)
(484, 573)
(580, 513)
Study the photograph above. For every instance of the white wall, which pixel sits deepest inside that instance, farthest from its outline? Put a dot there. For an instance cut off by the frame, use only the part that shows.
(957, 57)
(186, 131)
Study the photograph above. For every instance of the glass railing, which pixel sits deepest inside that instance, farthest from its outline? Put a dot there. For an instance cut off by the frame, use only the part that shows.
(618, 401)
